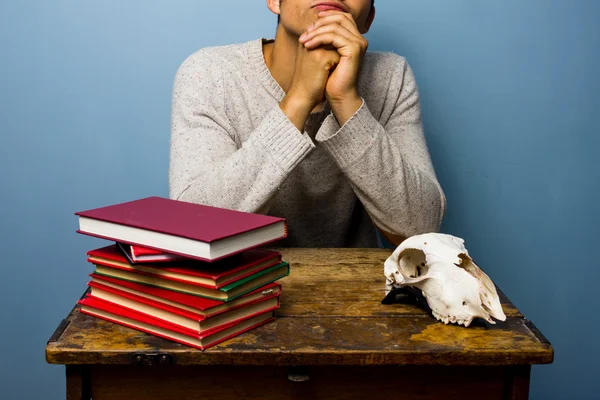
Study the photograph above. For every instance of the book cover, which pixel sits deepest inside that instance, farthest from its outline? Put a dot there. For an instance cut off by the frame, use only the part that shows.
(139, 254)
(182, 228)
(211, 275)
(115, 294)
(226, 293)
(185, 319)
(156, 327)
(193, 304)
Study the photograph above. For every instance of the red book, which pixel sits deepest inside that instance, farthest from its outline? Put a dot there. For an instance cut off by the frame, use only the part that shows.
(178, 227)
(174, 301)
(139, 254)
(154, 326)
(183, 318)
(226, 293)
(211, 275)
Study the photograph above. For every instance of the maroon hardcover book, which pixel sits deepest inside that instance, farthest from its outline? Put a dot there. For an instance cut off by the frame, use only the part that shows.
(178, 227)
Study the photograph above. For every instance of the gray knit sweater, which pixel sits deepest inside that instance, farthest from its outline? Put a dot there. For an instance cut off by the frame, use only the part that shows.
(233, 147)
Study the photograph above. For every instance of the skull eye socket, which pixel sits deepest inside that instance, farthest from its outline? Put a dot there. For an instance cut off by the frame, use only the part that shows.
(464, 303)
(412, 264)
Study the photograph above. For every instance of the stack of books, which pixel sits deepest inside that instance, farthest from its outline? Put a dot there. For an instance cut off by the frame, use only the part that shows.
(186, 272)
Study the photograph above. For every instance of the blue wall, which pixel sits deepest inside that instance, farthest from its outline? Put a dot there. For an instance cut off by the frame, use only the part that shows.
(510, 93)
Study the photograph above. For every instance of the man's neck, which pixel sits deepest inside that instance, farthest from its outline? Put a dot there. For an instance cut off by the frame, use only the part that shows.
(280, 57)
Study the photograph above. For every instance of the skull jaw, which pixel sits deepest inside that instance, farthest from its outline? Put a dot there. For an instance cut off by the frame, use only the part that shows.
(454, 303)
(417, 297)
(447, 314)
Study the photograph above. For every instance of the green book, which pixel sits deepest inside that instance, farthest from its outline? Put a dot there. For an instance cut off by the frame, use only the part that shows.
(226, 293)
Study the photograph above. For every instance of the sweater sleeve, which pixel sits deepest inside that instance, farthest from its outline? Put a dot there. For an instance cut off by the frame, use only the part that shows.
(208, 164)
(387, 161)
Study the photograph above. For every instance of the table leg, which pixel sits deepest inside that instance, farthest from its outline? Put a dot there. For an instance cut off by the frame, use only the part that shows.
(517, 382)
(78, 382)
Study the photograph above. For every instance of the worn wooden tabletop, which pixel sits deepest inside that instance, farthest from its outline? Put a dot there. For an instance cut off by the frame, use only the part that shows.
(331, 314)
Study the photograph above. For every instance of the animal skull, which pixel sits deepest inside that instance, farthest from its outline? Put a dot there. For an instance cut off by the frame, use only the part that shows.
(439, 265)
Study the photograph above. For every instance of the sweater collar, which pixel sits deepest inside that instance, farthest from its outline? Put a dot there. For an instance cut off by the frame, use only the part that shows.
(257, 60)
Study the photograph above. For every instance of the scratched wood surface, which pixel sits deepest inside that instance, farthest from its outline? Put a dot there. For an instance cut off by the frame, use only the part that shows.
(331, 314)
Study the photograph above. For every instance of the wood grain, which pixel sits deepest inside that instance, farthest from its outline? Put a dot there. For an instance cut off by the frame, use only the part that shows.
(331, 314)
(316, 341)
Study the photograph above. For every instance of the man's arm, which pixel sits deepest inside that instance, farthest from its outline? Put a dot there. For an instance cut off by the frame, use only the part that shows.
(207, 165)
(388, 164)
(387, 161)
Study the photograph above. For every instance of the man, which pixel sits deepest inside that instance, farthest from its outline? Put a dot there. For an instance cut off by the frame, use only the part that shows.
(309, 127)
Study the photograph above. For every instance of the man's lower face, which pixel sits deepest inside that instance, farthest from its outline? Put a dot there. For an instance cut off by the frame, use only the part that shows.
(298, 15)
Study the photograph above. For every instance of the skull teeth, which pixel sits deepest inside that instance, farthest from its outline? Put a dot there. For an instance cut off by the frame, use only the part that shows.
(450, 319)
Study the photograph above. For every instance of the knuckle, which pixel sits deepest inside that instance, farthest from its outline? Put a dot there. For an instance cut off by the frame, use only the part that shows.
(320, 55)
(333, 28)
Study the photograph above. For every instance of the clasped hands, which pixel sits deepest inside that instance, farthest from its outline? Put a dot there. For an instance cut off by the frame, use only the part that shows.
(327, 65)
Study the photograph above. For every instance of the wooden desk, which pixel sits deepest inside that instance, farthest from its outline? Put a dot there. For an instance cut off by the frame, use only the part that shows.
(333, 339)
